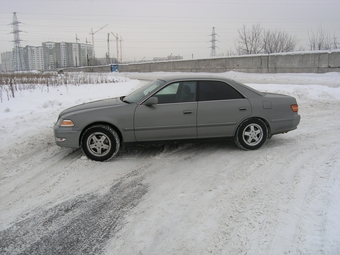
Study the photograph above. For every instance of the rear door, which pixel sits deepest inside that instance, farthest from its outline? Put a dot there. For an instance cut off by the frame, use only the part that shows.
(220, 109)
(174, 117)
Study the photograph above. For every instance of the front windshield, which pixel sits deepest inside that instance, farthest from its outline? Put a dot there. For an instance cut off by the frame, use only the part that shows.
(138, 94)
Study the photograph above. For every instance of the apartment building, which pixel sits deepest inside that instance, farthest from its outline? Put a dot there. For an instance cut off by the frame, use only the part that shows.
(50, 56)
(34, 58)
(64, 54)
(7, 61)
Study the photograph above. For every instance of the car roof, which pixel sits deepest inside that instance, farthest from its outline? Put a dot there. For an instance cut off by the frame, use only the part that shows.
(168, 78)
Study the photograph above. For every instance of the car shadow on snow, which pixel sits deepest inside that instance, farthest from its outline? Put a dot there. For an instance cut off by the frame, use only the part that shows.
(152, 149)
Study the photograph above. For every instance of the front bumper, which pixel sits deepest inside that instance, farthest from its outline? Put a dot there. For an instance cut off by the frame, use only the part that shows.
(66, 136)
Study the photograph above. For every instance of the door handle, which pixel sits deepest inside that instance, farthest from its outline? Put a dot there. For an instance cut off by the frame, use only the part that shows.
(188, 112)
(243, 108)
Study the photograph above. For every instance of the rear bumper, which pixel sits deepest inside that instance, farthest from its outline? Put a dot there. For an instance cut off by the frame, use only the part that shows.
(296, 121)
(279, 126)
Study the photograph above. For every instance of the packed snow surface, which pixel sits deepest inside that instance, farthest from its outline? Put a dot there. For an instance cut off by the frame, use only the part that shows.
(205, 198)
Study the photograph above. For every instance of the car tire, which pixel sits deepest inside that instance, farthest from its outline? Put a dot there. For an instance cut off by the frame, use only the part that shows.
(251, 134)
(100, 142)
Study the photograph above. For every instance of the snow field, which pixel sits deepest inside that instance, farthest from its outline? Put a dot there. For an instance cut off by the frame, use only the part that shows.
(207, 198)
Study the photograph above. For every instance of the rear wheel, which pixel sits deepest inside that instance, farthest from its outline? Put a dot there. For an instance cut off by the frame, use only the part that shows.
(100, 142)
(251, 134)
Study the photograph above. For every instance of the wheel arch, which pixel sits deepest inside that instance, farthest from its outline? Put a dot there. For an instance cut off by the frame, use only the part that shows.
(101, 123)
(254, 117)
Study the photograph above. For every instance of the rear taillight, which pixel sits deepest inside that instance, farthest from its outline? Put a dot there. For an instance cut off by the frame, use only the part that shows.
(295, 107)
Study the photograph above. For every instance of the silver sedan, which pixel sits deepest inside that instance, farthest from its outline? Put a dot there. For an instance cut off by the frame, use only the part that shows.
(177, 108)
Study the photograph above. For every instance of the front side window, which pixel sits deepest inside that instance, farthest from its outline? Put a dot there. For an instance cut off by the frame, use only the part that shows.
(187, 92)
(216, 90)
(177, 92)
(169, 90)
(140, 93)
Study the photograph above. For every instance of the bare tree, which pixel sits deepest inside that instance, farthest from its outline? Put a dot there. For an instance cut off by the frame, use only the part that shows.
(250, 40)
(319, 40)
(257, 40)
(278, 41)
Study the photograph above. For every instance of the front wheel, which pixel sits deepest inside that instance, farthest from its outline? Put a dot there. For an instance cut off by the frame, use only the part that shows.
(100, 142)
(251, 134)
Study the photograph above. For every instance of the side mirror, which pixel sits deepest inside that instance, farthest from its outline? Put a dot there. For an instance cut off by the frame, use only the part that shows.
(151, 101)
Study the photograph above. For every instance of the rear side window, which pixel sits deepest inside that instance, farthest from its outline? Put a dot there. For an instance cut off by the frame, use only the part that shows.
(216, 90)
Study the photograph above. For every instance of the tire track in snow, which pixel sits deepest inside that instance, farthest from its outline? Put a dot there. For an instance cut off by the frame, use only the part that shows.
(30, 172)
(81, 225)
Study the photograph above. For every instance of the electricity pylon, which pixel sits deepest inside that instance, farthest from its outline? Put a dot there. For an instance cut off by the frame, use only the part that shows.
(18, 58)
(213, 45)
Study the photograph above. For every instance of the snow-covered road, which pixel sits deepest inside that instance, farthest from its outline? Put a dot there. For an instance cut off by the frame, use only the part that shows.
(206, 198)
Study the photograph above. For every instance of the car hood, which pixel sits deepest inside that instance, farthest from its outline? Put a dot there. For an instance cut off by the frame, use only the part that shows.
(111, 102)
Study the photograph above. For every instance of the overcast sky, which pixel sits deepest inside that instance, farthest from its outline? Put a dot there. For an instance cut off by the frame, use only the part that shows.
(159, 28)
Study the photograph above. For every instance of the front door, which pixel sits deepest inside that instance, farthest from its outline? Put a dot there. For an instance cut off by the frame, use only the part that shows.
(172, 118)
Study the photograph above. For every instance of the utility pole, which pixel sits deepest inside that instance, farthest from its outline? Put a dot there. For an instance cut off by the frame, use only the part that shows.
(117, 39)
(335, 43)
(108, 48)
(18, 58)
(92, 33)
(121, 49)
(213, 45)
